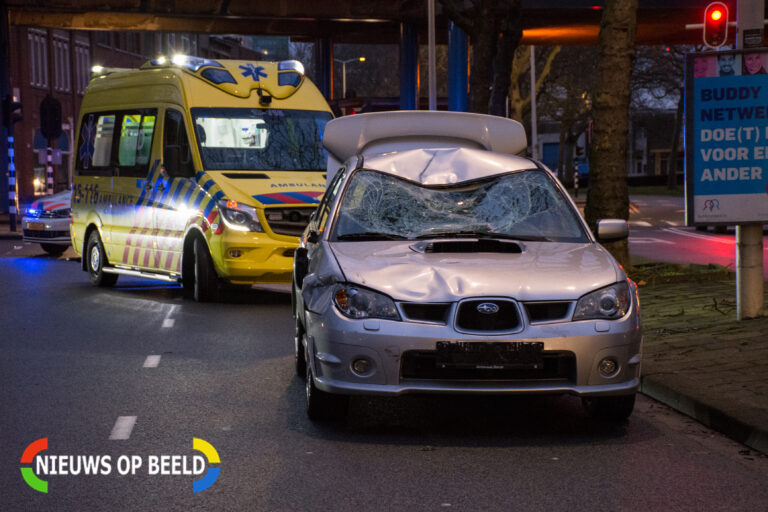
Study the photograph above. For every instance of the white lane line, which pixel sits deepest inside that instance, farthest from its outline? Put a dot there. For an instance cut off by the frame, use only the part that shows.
(168, 323)
(643, 240)
(640, 223)
(702, 237)
(152, 362)
(670, 223)
(123, 427)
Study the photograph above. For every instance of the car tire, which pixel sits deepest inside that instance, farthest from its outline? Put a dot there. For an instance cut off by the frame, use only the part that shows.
(54, 249)
(609, 408)
(300, 361)
(322, 406)
(97, 258)
(205, 282)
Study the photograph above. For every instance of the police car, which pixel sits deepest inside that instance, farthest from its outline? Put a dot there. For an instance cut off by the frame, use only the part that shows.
(46, 222)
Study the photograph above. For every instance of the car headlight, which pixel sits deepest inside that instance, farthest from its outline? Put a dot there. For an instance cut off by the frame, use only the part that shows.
(608, 303)
(357, 302)
(239, 216)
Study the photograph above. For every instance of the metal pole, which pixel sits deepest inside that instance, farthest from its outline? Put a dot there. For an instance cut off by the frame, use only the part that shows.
(343, 79)
(431, 55)
(12, 193)
(749, 237)
(49, 168)
(534, 127)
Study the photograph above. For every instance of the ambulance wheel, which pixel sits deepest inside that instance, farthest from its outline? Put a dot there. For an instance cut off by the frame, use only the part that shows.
(97, 257)
(54, 249)
(205, 287)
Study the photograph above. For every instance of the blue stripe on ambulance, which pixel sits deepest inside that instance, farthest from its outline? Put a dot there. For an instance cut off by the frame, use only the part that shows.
(218, 195)
(267, 200)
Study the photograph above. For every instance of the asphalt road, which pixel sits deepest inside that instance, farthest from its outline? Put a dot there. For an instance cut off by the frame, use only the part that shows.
(658, 233)
(72, 361)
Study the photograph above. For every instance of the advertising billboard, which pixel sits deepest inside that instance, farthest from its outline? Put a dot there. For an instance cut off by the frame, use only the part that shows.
(726, 137)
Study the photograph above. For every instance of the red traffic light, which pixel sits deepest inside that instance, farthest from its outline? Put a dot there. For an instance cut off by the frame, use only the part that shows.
(716, 24)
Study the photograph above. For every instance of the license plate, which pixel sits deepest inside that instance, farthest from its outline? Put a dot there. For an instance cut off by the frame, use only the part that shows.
(36, 226)
(490, 355)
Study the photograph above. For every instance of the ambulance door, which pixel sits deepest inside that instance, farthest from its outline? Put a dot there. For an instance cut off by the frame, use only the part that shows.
(95, 168)
(175, 192)
(132, 205)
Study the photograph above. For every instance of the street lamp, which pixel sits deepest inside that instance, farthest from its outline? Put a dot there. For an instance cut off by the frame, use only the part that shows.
(344, 73)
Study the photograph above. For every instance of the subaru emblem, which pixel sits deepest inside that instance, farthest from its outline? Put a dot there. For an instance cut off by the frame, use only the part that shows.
(488, 308)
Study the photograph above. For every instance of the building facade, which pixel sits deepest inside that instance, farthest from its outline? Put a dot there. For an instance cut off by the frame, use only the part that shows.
(58, 63)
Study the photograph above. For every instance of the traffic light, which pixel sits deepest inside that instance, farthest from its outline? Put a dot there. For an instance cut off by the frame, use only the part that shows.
(715, 24)
(50, 117)
(11, 111)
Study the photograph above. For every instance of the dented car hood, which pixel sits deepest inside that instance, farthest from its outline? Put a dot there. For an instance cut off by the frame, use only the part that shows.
(542, 271)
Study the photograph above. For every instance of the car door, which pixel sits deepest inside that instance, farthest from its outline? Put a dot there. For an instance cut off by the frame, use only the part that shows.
(131, 203)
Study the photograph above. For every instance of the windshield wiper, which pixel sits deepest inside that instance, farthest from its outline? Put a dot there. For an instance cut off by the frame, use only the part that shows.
(484, 235)
(370, 236)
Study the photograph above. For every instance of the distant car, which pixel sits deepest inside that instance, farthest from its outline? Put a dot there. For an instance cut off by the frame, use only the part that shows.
(46, 222)
(438, 262)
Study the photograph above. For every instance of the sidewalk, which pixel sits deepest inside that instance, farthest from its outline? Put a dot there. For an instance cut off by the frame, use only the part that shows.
(5, 228)
(700, 360)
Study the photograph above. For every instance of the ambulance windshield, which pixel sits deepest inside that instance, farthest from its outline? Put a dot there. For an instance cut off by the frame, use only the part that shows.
(260, 139)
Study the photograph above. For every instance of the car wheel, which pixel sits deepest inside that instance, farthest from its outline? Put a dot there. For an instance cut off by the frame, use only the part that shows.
(54, 249)
(97, 258)
(204, 282)
(322, 405)
(300, 361)
(609, 408)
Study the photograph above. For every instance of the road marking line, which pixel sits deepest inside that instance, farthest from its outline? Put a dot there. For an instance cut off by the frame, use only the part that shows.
(670, 223)
(168, 323)
(702, 237)
(152, 362)
(123, 427)
(641, 223)
(642, 240)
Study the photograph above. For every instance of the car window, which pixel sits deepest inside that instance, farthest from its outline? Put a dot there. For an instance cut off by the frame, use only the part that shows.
(176, 146)
(94, 151)
(524, 204)
(324, 208)
(135, 142)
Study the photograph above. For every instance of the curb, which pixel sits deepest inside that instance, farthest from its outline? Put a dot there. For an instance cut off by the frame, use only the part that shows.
(10, 236)
(712, 417)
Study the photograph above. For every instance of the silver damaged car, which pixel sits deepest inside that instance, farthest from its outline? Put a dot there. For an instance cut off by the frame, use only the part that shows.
(439, 262)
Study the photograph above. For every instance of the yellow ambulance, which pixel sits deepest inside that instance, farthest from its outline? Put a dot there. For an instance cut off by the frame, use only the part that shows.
(197, 171)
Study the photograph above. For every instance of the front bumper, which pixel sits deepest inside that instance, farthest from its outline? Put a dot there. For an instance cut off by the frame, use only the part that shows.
(334, 341)
(46, 230)
(253, 258)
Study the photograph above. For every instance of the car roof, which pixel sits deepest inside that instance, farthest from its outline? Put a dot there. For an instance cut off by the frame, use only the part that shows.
(394, 131)
(445, 166)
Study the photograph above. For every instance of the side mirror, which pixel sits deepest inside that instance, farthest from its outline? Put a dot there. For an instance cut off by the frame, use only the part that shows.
(313, 237)
(612, 230)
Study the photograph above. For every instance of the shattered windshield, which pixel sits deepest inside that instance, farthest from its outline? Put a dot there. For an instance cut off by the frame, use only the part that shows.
(522, 205)
(262, 139)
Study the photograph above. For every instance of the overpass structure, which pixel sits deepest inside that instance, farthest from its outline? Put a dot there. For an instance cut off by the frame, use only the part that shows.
(324, 22)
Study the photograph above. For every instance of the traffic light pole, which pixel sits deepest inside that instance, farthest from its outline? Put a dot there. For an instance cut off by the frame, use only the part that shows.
(749, 237)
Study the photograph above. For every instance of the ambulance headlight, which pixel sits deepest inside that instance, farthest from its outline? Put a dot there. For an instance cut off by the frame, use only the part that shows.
(239, 216)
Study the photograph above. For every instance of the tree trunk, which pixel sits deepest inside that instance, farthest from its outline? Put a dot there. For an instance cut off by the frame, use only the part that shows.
(608, 196)
(672, 167)
(483, 40)
(506, 44)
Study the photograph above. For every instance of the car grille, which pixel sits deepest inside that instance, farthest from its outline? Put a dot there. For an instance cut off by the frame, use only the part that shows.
(421, 364)
(30, 233)
(547, 311)
(436, 313)
(469, 318)
(288, 221)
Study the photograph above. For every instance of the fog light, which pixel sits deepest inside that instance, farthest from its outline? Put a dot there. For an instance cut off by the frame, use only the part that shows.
(361, 366)
(235, 253)
(608, 367)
